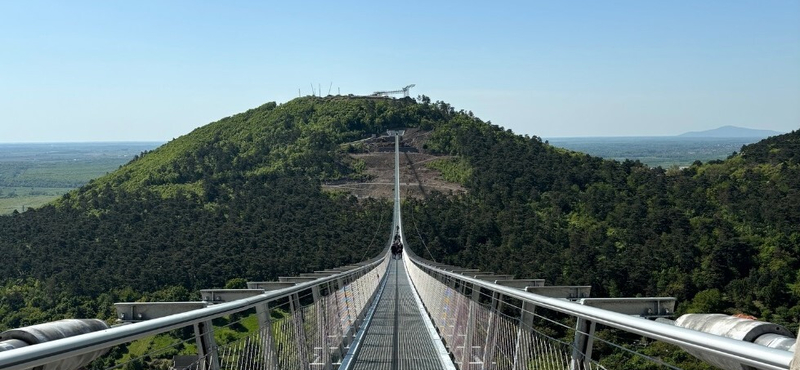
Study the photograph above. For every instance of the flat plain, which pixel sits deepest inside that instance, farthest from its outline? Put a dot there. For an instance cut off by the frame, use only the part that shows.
(664, 151)
(33, 174)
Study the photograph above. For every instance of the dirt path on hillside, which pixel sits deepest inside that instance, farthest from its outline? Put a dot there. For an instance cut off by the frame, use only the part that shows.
(416, 179)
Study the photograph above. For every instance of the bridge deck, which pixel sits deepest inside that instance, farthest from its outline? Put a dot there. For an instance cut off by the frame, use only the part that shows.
(397, 338)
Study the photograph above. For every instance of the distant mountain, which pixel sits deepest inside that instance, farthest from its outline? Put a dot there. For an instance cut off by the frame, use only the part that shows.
(731, 131)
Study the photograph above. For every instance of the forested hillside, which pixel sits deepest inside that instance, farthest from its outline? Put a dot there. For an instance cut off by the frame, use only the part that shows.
(241, 198)
(721, 236)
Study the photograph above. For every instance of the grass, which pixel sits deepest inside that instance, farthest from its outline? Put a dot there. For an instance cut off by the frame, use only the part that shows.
(21, 199)
(454, 169)
(159, 346)
(167, 345)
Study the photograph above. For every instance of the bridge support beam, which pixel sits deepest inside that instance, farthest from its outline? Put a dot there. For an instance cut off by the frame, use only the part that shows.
(527, 315)
(262, 315)
(208, 359)
(520, 283)
(493, 277)
(560, 291)
(269, 285)
(647, 307)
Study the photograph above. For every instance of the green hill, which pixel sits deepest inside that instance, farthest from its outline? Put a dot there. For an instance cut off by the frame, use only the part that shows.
(774, 150)
(241, 198)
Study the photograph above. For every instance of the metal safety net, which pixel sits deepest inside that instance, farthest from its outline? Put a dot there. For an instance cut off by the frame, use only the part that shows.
(311, 331)
(484, 329)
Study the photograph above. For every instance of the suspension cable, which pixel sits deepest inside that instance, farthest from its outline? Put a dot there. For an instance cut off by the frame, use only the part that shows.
(414, 221)
(377, 230)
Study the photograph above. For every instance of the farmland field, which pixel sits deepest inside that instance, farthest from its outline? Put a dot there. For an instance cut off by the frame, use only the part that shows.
(664, 151)
(34, 174)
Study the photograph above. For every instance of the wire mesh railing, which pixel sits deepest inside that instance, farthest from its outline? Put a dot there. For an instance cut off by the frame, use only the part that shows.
(489, 326)
(309, 325)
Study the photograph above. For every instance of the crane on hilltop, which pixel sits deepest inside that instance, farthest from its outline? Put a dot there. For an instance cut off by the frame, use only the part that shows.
(404, 91)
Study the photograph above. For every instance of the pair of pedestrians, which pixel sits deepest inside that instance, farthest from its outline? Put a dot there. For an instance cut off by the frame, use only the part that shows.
(397, 246)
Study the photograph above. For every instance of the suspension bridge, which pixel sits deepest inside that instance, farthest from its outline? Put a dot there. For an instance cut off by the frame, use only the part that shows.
(402, 313)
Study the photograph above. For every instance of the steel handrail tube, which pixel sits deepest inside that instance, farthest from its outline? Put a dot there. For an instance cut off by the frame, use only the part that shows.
(41, 354)
(745, 352)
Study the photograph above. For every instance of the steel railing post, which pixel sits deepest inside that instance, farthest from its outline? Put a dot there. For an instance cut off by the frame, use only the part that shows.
(349, 303)
(206, 346)
(265, 325)
(322, 332)
(466, 357)
(525, 323)
(460, 296)
(491, 331)
(582, 345)
(450, 318)
(299, 330)
(340, 345)
(358, 304)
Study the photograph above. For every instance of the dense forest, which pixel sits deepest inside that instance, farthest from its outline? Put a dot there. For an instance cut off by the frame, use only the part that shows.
(241, 198)
(721, 237)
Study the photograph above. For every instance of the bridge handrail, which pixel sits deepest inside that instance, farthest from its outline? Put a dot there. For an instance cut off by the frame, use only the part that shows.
(43, 353)
(48, 352)
(752, 354)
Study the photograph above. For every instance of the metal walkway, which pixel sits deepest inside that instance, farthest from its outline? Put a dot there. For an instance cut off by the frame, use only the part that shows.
(397, 337)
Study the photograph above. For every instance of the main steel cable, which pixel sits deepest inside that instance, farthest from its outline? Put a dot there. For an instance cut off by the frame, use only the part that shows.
(377, 230)
(414, 222)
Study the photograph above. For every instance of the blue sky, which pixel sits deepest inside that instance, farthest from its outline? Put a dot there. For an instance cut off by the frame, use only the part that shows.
(155, 70)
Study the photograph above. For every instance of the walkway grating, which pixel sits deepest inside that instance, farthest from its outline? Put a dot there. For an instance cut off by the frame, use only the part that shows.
(397, 338)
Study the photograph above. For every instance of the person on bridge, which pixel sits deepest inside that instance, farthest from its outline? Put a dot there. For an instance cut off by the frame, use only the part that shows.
(397, 247)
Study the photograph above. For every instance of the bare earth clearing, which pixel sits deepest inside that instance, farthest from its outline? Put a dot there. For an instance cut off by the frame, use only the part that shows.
(416, 179)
